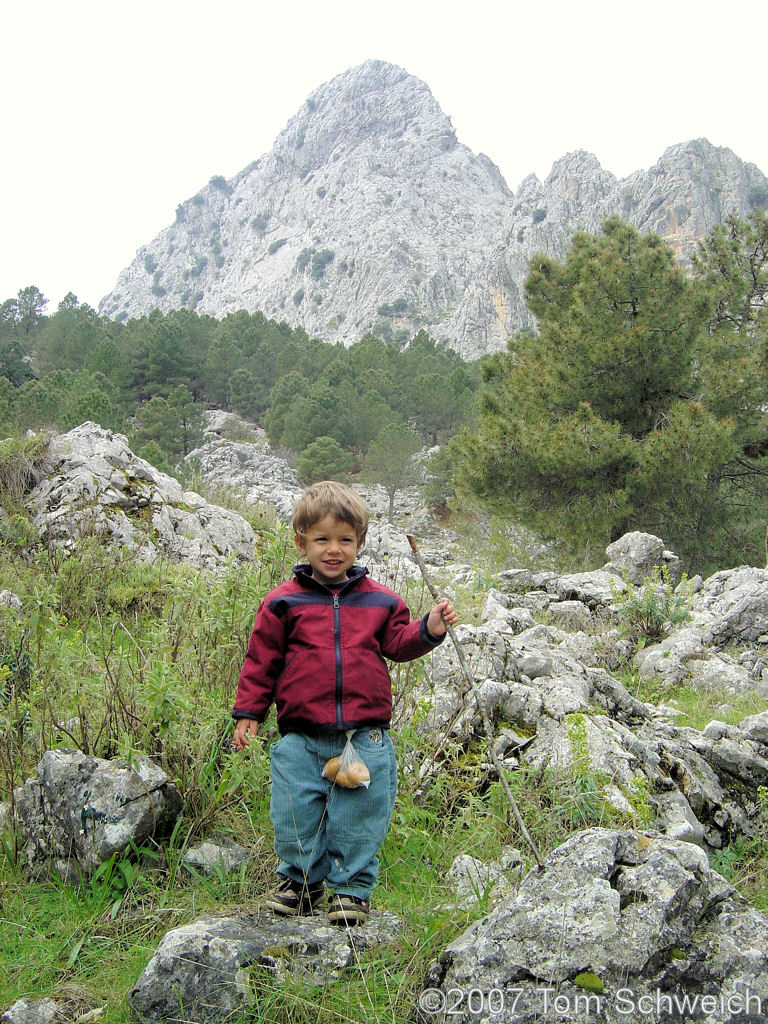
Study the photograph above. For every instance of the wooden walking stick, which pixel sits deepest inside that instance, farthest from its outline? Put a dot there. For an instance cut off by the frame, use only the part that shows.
(487, 724)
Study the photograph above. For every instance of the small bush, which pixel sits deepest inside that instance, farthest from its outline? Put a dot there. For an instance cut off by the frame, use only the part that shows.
(647, 612)
(320, 261)
(539, 215)
(324, 459)
(277, 244)
(22, 467)
(199, 267)
(398, 308)
(17, 532)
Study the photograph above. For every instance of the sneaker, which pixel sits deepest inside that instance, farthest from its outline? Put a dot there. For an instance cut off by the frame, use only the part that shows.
(291, 897)
(348, 910)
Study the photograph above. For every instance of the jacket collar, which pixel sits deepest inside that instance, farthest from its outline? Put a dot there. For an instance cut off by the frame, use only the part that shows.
(303, 573)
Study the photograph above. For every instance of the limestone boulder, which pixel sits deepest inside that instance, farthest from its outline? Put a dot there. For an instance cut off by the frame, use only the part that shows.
(634, 556)
(213, 969)
(594, 589)
(475, 880)
(573, 616)
(755, 728)
(614, 917)
(66, 1007)
(215, 856)
(78, 810)
(33, 1011)
(96, 485)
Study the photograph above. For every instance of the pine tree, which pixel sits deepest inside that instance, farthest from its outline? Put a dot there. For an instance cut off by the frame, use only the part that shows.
(633, 407)
(389, 461)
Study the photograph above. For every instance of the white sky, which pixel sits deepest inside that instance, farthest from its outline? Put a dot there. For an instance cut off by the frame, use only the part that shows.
(114, 111)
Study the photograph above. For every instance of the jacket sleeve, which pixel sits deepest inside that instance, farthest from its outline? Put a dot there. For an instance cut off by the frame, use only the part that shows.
(403, 639)
(264, 662)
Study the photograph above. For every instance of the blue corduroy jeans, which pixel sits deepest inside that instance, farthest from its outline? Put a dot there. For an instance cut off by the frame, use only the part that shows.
(324, 832)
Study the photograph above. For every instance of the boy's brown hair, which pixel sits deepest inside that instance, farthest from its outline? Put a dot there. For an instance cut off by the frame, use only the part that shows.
(330, 498)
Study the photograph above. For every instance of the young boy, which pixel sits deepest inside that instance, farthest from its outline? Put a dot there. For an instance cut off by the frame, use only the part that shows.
(317, 650)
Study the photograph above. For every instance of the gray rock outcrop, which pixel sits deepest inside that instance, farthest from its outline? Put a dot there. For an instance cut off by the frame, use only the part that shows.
(32, 1011)
(635, 555)
(250, 469)
(211, 857)
(78, 811)
(728, 611)
(366, 213)
(692, 187)
(552, 683)
(263, 478)
(210, 970)
(475, 880)
(95, 485)
(369, 214)
(617, 926)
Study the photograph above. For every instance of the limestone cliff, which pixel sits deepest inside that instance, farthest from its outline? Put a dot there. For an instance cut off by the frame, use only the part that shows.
(368, 214)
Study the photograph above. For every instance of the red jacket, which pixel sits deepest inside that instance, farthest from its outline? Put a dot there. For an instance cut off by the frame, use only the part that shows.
(319, 653)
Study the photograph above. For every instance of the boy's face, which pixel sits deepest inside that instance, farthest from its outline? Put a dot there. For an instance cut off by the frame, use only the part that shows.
(330, 546)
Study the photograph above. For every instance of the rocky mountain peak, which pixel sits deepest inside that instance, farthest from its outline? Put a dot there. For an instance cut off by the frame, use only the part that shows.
(372, 103)
(369, 215)
(580, 172)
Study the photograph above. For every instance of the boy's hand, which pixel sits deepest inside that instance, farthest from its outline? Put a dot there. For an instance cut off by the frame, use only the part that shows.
(245, 730)
(442, 613)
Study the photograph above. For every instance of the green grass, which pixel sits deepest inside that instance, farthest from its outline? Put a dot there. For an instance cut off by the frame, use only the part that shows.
(697, 707)
(114, 657)
(744, 862)
(92, 941)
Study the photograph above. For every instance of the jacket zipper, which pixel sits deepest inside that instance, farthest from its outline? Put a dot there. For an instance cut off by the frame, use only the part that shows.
(337, 649)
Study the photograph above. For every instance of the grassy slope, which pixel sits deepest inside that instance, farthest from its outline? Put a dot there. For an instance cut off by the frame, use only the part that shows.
(113, 656)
